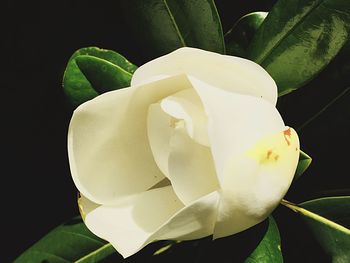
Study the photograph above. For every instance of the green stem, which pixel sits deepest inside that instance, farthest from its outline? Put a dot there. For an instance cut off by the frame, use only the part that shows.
(93, 253)
(316, 217)
(323, 109)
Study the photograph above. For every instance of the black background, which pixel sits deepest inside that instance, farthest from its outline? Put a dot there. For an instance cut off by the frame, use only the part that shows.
(37, 189)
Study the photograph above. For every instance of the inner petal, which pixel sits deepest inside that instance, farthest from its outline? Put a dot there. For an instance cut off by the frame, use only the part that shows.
(186, 105)
(177, 131)
(159, 130)
(191, 167)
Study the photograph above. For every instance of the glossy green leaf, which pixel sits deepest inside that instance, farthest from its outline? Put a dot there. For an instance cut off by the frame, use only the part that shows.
(329, 221)
(70, 242)
(92, 71)
(304, 162)
(238, 38)
(102, 75)
(165, 25)
(269, 249)
(299, 38)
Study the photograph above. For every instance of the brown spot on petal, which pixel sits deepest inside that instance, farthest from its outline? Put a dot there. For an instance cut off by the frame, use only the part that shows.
(287, 135)
(276, 157)
(268, 154)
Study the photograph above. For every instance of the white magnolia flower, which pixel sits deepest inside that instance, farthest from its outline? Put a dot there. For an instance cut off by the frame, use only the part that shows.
(195, 147)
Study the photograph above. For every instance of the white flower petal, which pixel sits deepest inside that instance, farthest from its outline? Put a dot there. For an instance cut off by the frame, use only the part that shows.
(235, 122)
(178, 138)
(186, 105)
(194, 221)
(256, 181)
(159, 129)
(108, 146)
(191, 167)
(130, 223)
(152, 215)
(226, 72)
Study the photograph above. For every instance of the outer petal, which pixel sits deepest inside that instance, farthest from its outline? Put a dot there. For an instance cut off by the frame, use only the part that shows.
(152, 215)
(256, 181)
(236, 122)
(108, 147)
(226, 72)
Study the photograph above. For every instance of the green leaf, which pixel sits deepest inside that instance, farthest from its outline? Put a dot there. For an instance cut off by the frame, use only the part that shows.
(92, 71)
(304, 162)
(328, 219)
(269, 249)
(103, 75)
(69, 242)
(165, 25)
(238, 38)
(299, 38)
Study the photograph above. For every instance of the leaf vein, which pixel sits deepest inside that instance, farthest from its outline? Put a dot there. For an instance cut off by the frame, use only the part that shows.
(302, 19)
(173, 21)
(82, 235)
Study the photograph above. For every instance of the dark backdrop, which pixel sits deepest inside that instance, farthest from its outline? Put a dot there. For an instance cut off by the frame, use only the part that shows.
(37, 188)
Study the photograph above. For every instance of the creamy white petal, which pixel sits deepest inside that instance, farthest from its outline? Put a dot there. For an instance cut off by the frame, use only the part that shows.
(130, 223)
(108, 146)
(153, 215)
(235, 122)
(191, 167)
(226, 72)
(178, 137)
(186, 105)
(159, 128)
(194, 221)
(256, 181)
